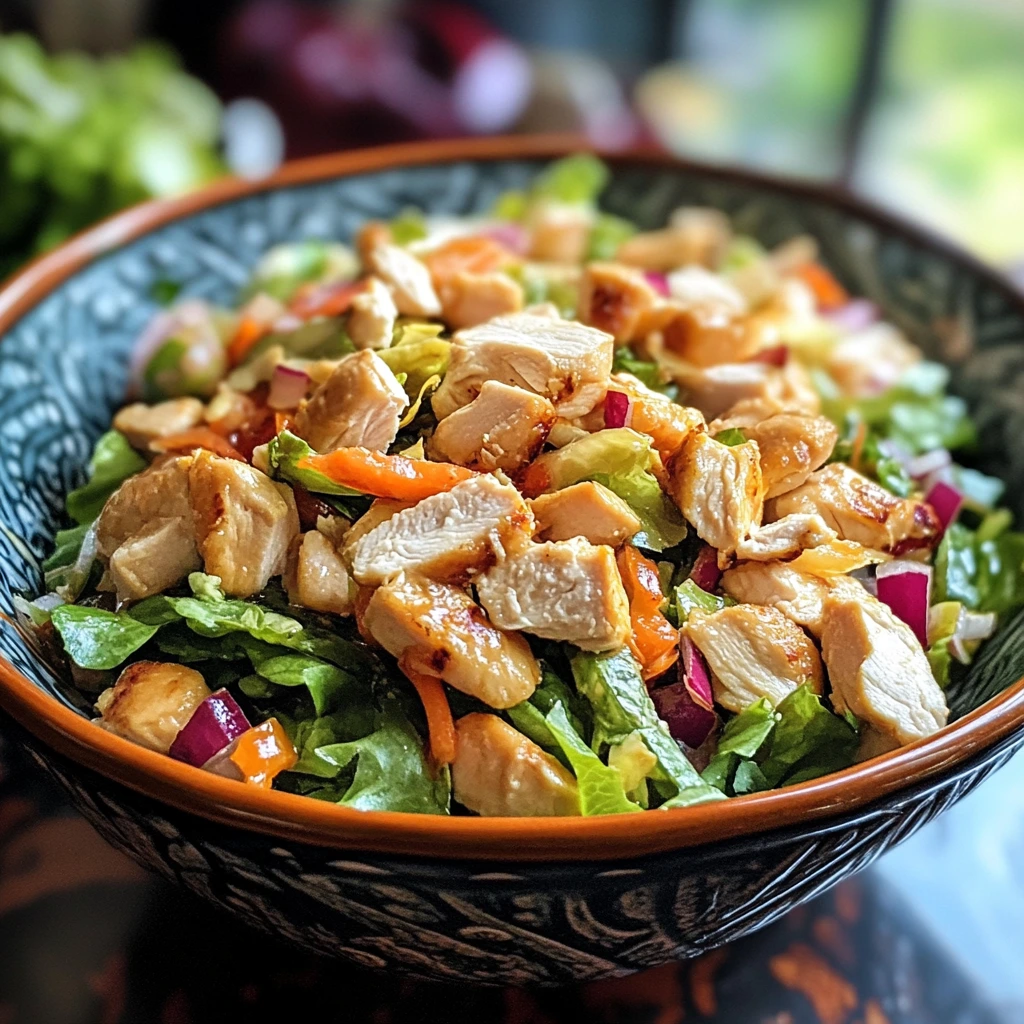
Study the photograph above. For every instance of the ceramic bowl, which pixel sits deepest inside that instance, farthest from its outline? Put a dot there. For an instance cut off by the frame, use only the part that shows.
(479, 900)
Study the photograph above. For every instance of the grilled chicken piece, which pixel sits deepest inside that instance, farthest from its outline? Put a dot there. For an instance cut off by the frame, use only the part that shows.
(694, 235)
(379, 512)
(695, 286)
(469, 299)
(161, 554)
(874, 743)
(436, 629)
(747, 413)
(616, 299)
(499, 772)
(785, 538)
(753, 652)
(318, 578)
(560, 590)
(798, 595)
(878, 670)
(718, 488)
(858, 509)
(502, 428)
(587, 510)
(160, 492)
(559, 233)
(705, 334)
(358, 406)
(372, 319)
(151, 702)
(567, 362)
(793, 446)
(446, 535)
(715, 389)
(142, 423)
(244, 522)
(407, 278)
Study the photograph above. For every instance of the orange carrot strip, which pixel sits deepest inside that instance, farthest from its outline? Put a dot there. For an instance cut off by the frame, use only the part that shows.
(326, 300)
(263, 752)
(197, 437)
(248, 332)
(655, 641)
(387, 476)
(282, 421)
(440, 724)
(827, 290)
(857, 449)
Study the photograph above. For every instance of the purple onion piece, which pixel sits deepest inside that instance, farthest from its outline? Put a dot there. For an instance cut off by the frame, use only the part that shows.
(213, 726)
(705, 572)
(617, 405)
(687, 721)
(905, 586)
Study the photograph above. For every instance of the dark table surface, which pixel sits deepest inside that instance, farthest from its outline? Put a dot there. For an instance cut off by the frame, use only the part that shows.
(933, 933)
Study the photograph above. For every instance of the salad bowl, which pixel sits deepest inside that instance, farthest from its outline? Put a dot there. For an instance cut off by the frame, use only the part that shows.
(484, 900)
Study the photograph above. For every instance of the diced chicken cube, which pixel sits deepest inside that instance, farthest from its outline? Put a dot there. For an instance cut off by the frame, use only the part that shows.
(566, 362)
(858, 509)
(499, 772)
(798, 595)
(469, 299)
(372, 318)
(142, 423)
(616, 299)
(379, 512)
(151, 702)
(446, 535)
(718, 488)
(587, 510)
(504, 427)
(435, 628)
(244, 522)
(559, 233)
(318, 579)
(359, 406)
(879, 671)
(159, 555)
(793, 446)
(705, 334)
(560, 590)
(407, 278)
(786, 537)
(160, 492)
(715, 389)
(754, 651)
(694, 235)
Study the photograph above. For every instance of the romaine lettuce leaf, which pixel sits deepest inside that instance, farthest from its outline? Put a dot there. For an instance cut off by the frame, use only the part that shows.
(601, 787)
(607, 234)
(984, 575)
(577, 179)
(687, 596)
(646, 371)
(113, 461)
(392, 772)
(98, 639)
(743, 736)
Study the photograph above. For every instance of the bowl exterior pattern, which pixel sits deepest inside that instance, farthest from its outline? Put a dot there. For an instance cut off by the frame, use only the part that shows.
(63, 372)
(511, 923)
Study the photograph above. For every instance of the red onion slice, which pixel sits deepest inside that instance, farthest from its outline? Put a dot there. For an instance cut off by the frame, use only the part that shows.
(617, 409)
(687, 721)
(695, 674)
(214, 725)
(658, 281)
(931, 462)
(946, 500)
(705, 572)
(905, 587)
(777, 355)
(288, 387)
(855, 315)
(512, 236)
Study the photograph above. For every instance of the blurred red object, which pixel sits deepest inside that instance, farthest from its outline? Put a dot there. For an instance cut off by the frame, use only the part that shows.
(357, 76)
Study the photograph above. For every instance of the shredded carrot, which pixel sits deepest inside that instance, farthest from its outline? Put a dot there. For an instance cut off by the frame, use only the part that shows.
(325, 300)
(655, 641)
(263, 752)
(440, 725)
(282, 421)
(197, 437)
(857, 449)
(475, 254)
(248, 332)
(829, 293)
(387, 476)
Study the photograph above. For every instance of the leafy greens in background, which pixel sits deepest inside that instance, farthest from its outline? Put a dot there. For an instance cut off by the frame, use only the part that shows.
(83, 137)
(113, 461)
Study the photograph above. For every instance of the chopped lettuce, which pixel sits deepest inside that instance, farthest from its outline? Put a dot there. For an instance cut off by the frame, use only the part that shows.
(284, 268)
(621, 460)
(419, 354)
(984, 575)
(872, 461)
(761, 748)
(511, 205)
(600, 785)
(286, 451)
(621, 705)
(409, 226)
(732, 436)
(607, 234)
(327, 684)
(391, 768)
(576, 179)
(529, 716)
(687, 596)
(113, 461)
(646, 371)
(97, 639)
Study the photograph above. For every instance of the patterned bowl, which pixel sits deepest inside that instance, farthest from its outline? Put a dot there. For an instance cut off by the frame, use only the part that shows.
(480, 900)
